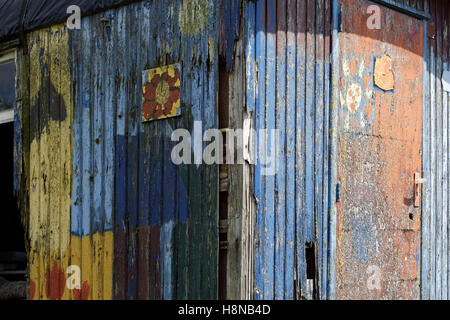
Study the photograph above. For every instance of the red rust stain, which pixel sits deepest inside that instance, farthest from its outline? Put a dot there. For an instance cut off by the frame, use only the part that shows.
(120, 265)
(82, 294)
(55, 282)
(32, 289)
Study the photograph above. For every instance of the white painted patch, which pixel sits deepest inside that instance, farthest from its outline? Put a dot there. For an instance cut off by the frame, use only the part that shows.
(346, 68)
(354, 97)
(374, 280)
(446, 81)
(361, 68)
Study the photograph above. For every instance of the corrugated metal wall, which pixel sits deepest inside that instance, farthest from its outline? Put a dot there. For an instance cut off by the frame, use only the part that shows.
(138, 226)
(104, 195)
(436, 211)
(288, 88)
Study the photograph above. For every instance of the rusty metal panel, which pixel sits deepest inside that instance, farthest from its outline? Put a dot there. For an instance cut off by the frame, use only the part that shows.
(380, 150)
(288, 71)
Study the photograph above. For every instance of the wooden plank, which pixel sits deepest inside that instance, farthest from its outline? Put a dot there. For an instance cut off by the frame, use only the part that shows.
(260, 105)
(325, 234)
(319, 141)
(280, 155)
(270, 152)
(121, 225)
(87, 105)
(35, 239)
(291, 141)
(109, 71)
(54, 187)
(44, 94)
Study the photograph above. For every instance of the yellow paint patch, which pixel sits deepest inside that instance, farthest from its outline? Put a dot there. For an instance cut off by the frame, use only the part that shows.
(96, 278)
(193, 16)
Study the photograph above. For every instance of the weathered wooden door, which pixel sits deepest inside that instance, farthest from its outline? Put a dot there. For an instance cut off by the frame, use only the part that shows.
(380, 141)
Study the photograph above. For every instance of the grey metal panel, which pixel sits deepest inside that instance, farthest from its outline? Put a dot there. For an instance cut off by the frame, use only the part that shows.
(435, 250)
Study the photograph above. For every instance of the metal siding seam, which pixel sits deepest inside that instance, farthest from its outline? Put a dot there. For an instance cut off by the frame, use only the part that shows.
(260, 105)
(43, 153)
(269, 215)
(96, 139)
(144, 175)
(250, 63)
(426, 210)
(326, 179)
(445, 198)
(121, 243)
(34, 71)
(319, 142)
(77, 194)
(300, 145)
(290, 149)
(109, 149)
(432, 238)
(132, 151)
(309, 212)
(196, 190)
(280, 119)
(250, 57)
(53, 160)
(438, 226)
(86, 255)
(335, 106)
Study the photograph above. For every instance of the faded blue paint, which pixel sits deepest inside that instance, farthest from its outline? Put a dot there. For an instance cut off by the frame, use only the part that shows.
(230, 28)
(291, 94)
(124, 179)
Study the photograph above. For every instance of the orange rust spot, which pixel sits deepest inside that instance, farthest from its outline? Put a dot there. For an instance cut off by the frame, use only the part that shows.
(384, 76)
(82, 294)
(369, 109)
(55, 282)
(367, 81)
(353, 66)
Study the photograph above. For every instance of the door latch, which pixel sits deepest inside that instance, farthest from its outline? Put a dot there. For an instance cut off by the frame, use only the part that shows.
(418, 182)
